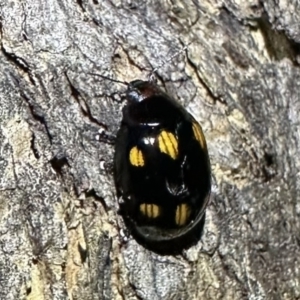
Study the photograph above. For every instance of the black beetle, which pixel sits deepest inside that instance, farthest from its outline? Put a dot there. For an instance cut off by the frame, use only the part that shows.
(161, 170)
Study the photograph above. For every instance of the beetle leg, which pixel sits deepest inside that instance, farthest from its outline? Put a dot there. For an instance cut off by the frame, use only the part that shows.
(106, 137)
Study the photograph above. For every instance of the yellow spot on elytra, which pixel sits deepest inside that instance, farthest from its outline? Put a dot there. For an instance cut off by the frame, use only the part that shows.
(183, 212)
(150, 210)
(168, 144)
(198, 133)
(136, 157)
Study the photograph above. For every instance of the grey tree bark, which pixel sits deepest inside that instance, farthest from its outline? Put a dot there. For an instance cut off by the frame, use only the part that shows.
(60, 232)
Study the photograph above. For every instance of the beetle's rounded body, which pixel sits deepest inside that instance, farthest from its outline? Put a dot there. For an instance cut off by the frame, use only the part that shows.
(162, 170)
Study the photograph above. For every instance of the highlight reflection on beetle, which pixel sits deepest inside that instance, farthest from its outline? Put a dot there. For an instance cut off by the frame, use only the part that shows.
(161, 170)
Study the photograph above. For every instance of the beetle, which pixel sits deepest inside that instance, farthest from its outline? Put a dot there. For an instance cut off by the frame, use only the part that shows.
(161, 170)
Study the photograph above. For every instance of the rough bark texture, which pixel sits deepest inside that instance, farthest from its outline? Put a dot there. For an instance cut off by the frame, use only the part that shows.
(60, 232)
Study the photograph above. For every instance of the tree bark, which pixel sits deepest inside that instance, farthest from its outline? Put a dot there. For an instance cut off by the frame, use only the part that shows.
(61, 236)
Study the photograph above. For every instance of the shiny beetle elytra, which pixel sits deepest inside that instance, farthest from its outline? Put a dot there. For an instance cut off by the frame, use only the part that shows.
(161, 170)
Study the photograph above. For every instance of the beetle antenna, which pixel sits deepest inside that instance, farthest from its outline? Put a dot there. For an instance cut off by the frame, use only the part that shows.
(108, 78)
(151, 76)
